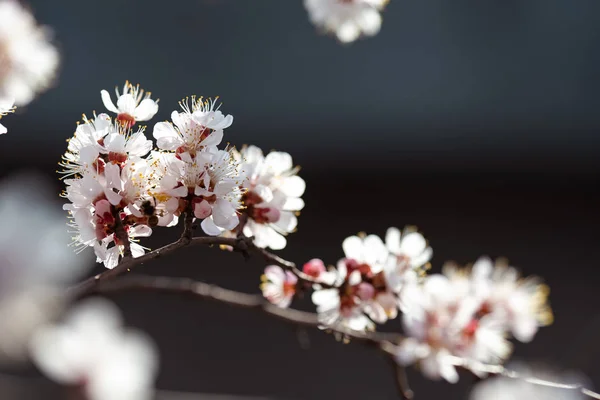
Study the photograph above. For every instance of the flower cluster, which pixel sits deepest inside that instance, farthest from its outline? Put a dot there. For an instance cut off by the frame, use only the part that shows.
(367, 285)
(347, 19)
(468, 313)
(119, 188)
(464, 312)
(272, 196)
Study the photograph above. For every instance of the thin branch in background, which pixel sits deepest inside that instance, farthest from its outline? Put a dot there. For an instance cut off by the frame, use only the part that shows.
(402, 381)
(499, 370)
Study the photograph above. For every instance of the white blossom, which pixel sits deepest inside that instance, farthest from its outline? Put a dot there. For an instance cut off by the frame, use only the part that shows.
(92, 350)
(35, 262)
(442, 319)
(213, 188)
(272, 196)
(28, 61)
(199, 127)
(360, 294)
(520, 303)
(132, 105)
(278, 286)
(347, 19)
(110, 181)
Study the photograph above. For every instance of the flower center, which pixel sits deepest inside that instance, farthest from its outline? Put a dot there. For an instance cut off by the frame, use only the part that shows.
(126, 120)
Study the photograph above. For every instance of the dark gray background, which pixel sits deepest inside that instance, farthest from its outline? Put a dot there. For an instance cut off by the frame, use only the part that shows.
(475, 120)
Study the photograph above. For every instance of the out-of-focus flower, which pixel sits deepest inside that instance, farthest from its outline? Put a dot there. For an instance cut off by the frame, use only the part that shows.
(92, 351)
(521, 303)
(347, 19)
(28, 61)
(6, 106)
(278, 286)
(132, 105)
(35, 262)
(502, 388)
(441, 320)
(272, 196)
(409, 257)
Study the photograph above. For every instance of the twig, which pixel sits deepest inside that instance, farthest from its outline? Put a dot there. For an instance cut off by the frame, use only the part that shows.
(402, 381)
(243, 245)
(499, 370)
(238, 299)
(188, 220)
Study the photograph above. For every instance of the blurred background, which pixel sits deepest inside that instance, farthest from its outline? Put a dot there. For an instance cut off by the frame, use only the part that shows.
(475, 121)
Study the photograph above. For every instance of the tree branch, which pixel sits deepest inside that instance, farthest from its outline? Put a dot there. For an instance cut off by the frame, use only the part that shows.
(238, 299)
(243, 245)
(122, 236)
(499, 370)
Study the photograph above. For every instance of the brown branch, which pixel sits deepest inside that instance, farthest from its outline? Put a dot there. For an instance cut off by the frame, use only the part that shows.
(122, 236)
(383, 341)
(188, 219)
(243, 245)
(238, 299)
(499, 370)
(402, 381)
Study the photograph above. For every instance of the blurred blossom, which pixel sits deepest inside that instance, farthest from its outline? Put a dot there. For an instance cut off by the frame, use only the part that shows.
(28, 61)
(502, 388)
(92, 352)
(347, 19)
(35, 261)
(278, 286)
(468, 313)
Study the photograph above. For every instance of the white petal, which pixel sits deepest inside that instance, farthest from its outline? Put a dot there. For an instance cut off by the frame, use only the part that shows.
(353, 247)
(275, 274)
(145, 110)
(126, 104)
(278, 162)
(369, 21)
(413, 244)
(287, 222)
(108, 102)
(166, 136)
(392, 240)
(209, 227)
(293, 186)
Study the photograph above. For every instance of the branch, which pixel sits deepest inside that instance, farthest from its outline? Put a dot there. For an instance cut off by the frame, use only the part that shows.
(243, 245)
(244, 300)
(499, 370)
(122, 236)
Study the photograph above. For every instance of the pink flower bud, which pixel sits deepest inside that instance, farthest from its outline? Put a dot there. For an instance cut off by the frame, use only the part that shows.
(314, 267)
